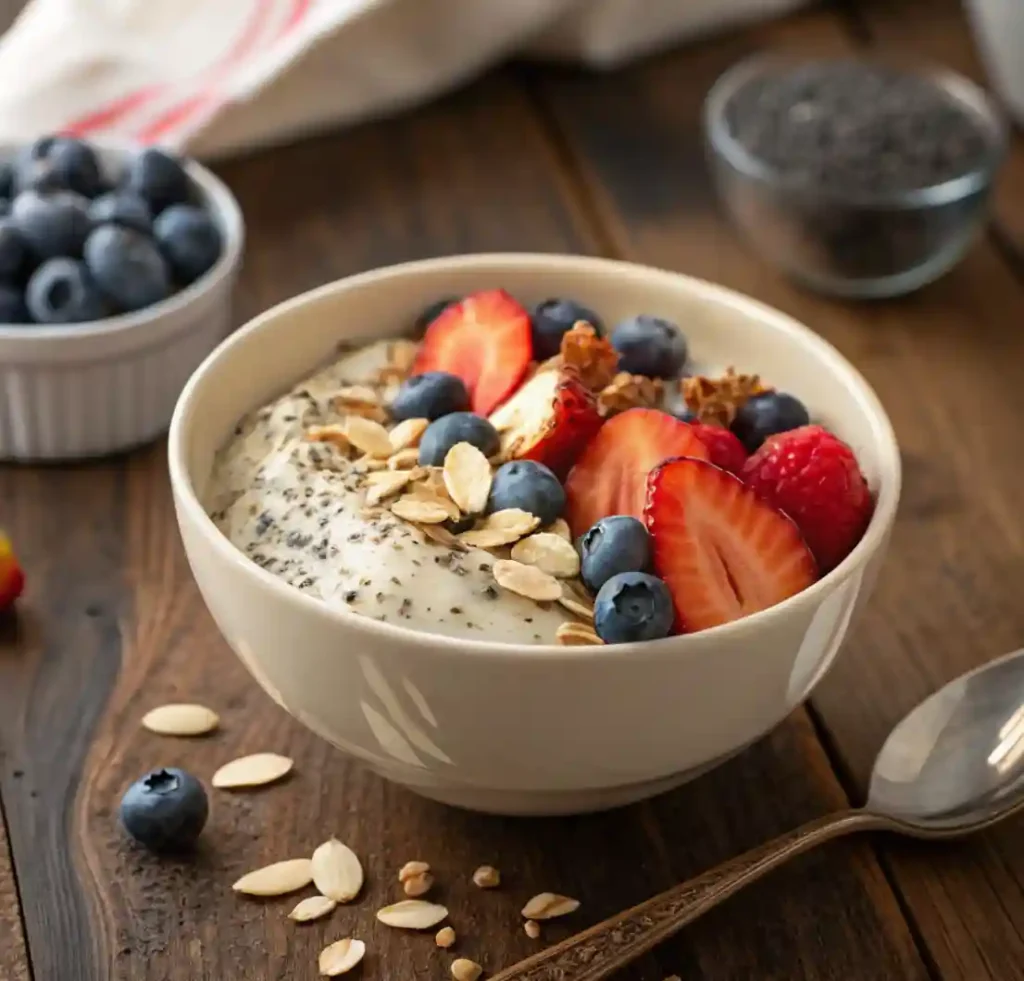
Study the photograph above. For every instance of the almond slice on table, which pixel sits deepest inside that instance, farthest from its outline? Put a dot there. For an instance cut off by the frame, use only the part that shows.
(341, 956)
(312, 908)
(277, 879)
(487, 877)
(256, 770)
(337, 872)
(181, 719)
(412, 914)
(548, 905)
(369, 436)
(550, 553)
(526, 580)
(500, 528)
(464, 969)
(467, 475)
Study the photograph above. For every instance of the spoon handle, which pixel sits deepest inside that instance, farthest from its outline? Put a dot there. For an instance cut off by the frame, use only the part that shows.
(605, 948)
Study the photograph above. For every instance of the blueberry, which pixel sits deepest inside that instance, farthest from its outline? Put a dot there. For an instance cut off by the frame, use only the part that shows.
(6, 179)
(613, 545)
(61, 291)
(12, 306)
(430, 396)
(5, 207)
(649, 346)
(189, 239)
(53, 224)
(127, 266)
(633, 606)
(432, 312)
(765, 415)
(457, 427)
(551, 319)
(159, 179)
(14, 251)
(121, 208)
(165, 810)
(59, 163)
(527, 485)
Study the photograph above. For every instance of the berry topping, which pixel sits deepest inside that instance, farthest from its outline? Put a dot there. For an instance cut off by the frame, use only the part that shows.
(14, 252)
(552, 319)
(53, 224)
(127, 266)
(610, 476)
(121, 208)
(159, 179)
(189, 239)
(633, 606)
(165, 810)
(723, 552)
(724, 449)
(59, 163)
(485, 340)
(616, 544)
(457, 427)
(430, 396)
(61, 291)
(12, 306)
(550, 420)
(529, 486)
(431, 312)
(649, 346)
(766, 414)
(813, 476)
(12, 579)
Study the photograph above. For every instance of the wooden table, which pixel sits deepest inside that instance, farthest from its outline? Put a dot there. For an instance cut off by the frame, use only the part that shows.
(112, 625)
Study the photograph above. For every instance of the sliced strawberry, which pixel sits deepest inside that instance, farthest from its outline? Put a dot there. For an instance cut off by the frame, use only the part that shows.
(12, 579)
(610, 476)
(550, 419)
(485, 340)
(724, 449)
(723, 552)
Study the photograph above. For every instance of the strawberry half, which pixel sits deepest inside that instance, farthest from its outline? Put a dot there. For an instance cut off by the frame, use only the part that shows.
(722, 551)
(485, 340)
(550, 420)
(610, 476)
(12, 579)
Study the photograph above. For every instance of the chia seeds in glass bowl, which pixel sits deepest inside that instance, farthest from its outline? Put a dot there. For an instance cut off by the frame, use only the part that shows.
(859, 178)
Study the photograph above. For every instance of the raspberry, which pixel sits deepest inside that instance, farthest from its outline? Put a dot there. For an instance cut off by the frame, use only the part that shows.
(814, 477)
(724, 448)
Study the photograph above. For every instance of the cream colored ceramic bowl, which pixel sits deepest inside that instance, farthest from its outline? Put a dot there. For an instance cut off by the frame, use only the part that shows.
(525, 730)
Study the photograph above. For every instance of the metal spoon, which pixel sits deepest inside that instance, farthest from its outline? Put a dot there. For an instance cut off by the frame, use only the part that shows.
(954, 765)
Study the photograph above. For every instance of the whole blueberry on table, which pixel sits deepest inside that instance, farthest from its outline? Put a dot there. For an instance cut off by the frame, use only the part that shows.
(529, 486)
(430, 396)
(619, 543)
(121, 208)
(189, 239)
(765, 415)
(633, 606)
(457, 427)
(127, 266)
(61, 291)
(15, 257)
(431, 312)
(165, 810)
(551, 319)
(12, 305)
(59, 163)
(649, 346)
(159, 179)
(53, 223)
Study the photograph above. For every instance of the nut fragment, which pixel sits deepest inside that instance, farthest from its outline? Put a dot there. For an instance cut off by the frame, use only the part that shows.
(341, 956)
(353, 397)
(500, 528)
(312, 908)
(384, 483)
(407, 434)
(532, 929)
(467, 475)
(369, 436)
(418, 885)
(550, 553)
(337, 872)
(573, 605)
(420, 511)
(526, 580)
(277, 879)
(412, 869)
(181, 719)
(548, 905)
(487, 877)
(445, 937)
(572, 634)
(464, 969)
(412, 914)
(401, 355)
(252, 771)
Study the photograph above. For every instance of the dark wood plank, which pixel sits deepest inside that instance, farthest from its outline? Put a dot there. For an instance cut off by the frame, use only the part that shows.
(14, 964)
(474, 172)
(945, 362)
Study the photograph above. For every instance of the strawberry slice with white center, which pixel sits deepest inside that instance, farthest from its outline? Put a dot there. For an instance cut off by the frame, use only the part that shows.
(610, 476)
(722, 552)
(485, 340)
(549, 420)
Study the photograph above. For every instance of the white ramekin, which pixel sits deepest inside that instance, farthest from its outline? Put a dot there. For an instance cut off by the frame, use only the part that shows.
(84, 390)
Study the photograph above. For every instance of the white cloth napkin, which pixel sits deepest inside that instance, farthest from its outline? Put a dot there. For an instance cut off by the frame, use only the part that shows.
(221, 76)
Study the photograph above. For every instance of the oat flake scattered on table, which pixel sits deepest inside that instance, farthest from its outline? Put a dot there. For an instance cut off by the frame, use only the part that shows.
(181, 719)
(277, 879)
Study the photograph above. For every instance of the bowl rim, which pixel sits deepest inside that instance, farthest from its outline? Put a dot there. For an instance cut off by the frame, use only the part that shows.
(190, 508)
(964, 92)
(228, 215)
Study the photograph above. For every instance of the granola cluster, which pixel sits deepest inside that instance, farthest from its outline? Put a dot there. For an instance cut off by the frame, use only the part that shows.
(717, 400)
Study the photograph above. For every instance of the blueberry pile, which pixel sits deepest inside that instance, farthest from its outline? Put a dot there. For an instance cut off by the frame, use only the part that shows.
(78, 244)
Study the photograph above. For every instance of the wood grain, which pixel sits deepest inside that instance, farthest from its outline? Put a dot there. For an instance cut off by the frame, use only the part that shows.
(14, 965)
(947, 363)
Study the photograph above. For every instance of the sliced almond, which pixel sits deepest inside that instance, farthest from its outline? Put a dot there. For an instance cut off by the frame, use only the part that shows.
(442, 536)
(487, 877)
(445, 937)
(426, 493)
(561, 528)
(384, 483)
(252, 771)
(412, 914)
(368, 464)
(341, 956)
(548, 905)
(464, 969)
(357, 394)
(526, 580)
(407, 434)
(418, 885)
(369, 436)
(404, 459)
(181, 719)
(532, 929)
(467, 475)
(335, 435)
(573, 634)
(401, 355)
(420, 511)
(312, 908)
(277, 879)
(500, 528)
(551, 553)
(574, 605)
(337, 872)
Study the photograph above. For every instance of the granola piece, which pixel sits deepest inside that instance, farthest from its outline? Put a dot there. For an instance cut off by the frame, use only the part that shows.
(626, 391)
(717, 400)
(593, 359)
